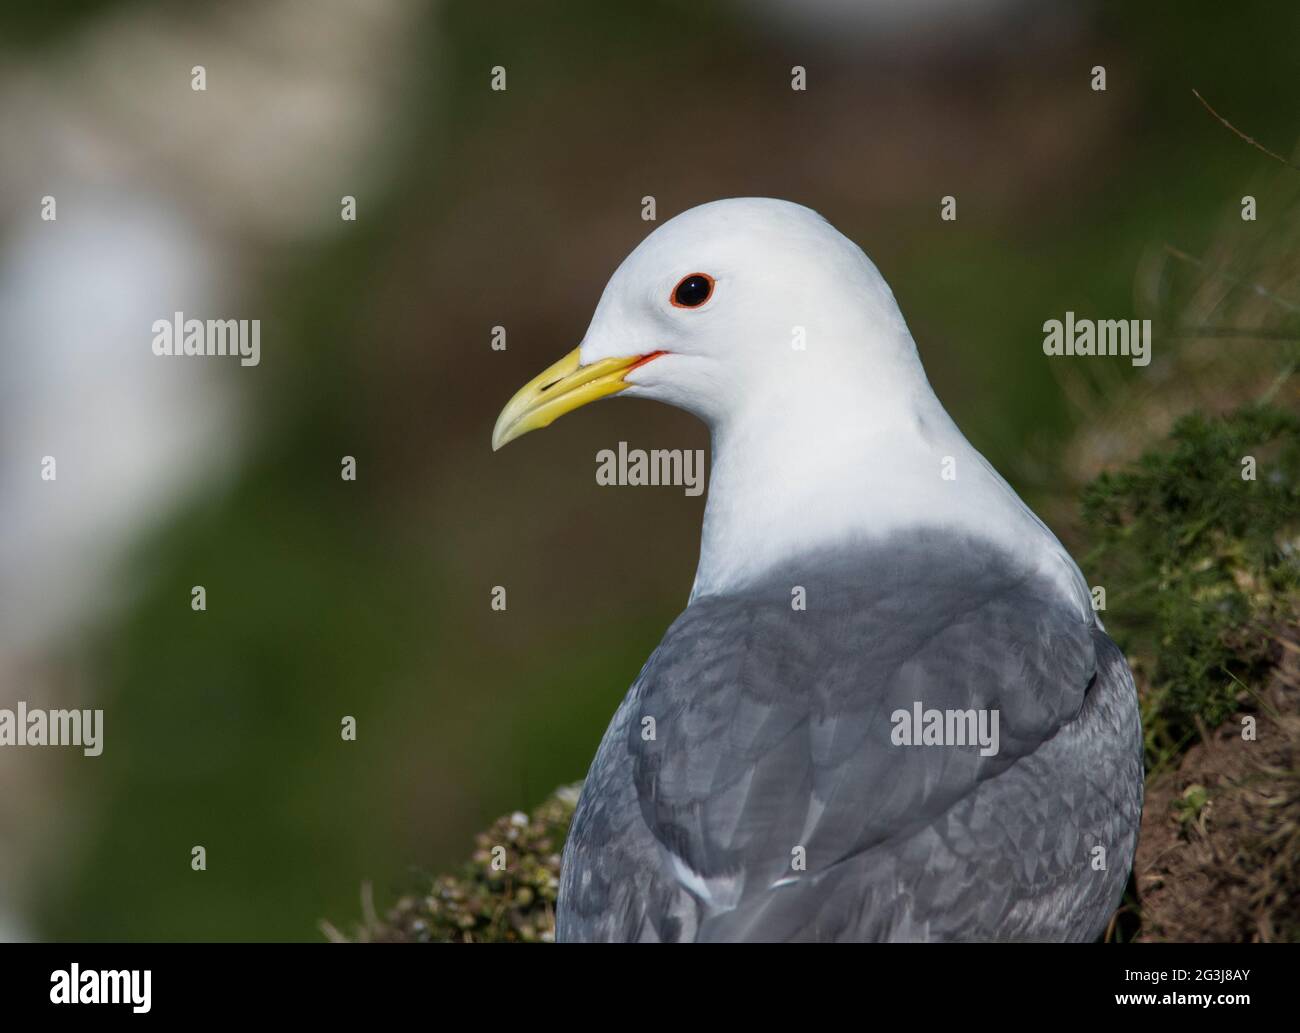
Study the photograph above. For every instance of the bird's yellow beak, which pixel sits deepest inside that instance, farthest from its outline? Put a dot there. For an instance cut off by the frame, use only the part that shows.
(561, 388)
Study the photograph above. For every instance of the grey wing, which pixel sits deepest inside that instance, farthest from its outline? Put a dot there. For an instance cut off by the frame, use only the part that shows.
(773, 800)
(616, 881)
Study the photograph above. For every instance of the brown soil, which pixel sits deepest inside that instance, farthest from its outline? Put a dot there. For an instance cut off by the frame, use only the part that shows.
(1219, 855)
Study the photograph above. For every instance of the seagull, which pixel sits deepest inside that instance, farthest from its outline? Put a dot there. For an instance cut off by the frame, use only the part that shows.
(889, 711)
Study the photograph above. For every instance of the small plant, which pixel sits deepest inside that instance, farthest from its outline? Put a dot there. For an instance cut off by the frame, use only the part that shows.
(1190, 805)
(505, 893)
(1202, 564)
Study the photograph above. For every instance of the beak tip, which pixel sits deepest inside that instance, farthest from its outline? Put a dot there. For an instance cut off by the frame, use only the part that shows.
(561, 387)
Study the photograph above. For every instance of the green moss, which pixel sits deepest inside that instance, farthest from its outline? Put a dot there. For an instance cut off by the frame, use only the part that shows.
(1200, 563)
(505, 893)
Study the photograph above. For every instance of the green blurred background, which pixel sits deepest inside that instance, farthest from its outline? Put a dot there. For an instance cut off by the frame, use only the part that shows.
(476, 209)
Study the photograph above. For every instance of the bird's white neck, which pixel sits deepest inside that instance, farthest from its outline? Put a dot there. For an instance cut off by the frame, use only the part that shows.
(803, 470)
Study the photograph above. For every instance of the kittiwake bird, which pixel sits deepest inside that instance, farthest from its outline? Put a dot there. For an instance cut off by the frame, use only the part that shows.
(889, 711)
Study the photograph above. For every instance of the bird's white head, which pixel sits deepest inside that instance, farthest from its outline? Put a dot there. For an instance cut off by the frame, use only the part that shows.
(774, 328)
(738, 309)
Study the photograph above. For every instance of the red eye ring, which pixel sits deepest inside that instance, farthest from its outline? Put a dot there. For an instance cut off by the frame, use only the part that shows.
(692, 291)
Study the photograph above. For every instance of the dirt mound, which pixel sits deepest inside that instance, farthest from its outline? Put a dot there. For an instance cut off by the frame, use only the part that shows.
(1219, 855)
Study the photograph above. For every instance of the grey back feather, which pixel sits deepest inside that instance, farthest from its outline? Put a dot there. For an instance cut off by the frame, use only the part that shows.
(770, 801)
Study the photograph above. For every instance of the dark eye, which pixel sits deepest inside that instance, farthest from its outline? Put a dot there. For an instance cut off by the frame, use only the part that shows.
(694, 290)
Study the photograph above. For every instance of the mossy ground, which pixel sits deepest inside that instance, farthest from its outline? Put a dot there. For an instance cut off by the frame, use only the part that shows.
(1205, 571)
(1198, 552)
(505, 893)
